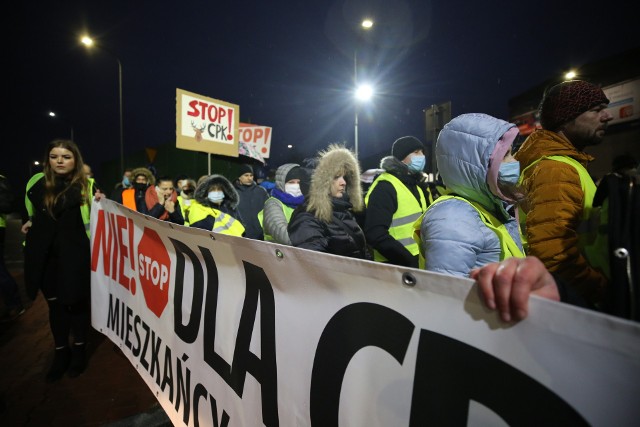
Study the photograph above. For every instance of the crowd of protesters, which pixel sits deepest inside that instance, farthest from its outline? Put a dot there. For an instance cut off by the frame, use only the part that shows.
(489, 212)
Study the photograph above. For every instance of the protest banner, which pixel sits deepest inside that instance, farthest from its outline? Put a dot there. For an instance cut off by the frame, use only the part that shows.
(206, 124)
(228, 331)
(258, 137)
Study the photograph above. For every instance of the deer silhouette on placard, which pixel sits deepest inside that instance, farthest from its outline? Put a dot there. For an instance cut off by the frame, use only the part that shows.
(198, 130)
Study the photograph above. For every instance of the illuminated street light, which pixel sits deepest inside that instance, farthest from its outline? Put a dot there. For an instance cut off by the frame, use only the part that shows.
(364, 92)
(570, 75)
(31, 165)
(52, 114)
(89, 43)
(366, 24)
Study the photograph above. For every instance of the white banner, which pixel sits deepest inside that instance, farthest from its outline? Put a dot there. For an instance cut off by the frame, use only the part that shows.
(228, 331)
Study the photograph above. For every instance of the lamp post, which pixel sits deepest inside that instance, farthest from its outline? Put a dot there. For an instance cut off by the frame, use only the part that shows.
(363, 92)
(89, 42)
(53, 114)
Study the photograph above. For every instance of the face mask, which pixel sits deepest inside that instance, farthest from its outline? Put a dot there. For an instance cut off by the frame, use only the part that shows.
(215, 196)
(187, 194)
(509, 172)
(126, 182)
(293, 189)
(139, 185)
(417, 163)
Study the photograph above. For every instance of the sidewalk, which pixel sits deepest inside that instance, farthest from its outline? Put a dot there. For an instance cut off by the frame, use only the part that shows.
(109, 393)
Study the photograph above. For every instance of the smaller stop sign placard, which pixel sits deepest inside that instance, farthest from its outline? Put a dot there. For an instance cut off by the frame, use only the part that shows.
(154, 270)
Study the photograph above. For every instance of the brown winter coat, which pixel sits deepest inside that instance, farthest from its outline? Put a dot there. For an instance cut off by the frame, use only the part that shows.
(554, 210)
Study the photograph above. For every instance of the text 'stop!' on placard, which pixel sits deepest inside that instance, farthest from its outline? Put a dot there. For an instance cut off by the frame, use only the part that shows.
(206, 124)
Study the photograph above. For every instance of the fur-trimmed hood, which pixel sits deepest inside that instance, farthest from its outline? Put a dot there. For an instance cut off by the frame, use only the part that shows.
(335, 161)
(151, 180)
(231, 197)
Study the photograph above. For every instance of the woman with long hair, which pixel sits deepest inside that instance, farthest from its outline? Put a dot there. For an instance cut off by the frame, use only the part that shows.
(325, 221)
(57, 253)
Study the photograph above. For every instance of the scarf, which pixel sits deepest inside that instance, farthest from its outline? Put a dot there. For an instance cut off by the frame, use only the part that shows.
(151, 199)
(287, 199)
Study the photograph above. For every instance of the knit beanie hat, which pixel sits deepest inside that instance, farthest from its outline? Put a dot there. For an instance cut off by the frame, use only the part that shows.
(244, 168)
(404, 146)
(295, 173)
(567, 100)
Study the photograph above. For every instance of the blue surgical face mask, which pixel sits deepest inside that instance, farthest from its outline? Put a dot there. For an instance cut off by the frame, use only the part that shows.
(126, 182)
(509, 172)
(215, 196)
(417, 163)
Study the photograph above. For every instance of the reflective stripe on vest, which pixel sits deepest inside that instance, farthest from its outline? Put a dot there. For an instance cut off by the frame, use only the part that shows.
(409, 210)
(223, 223)
(288, 211)
(508, 247)
(587, 229)
(85, 208)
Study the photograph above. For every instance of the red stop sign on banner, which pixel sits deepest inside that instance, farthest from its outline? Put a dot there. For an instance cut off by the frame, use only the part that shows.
(154, 269)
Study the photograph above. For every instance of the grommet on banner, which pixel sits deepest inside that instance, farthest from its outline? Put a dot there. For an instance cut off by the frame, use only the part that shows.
(621, 253)
(212, 237)
(408, 279)
(279, 254)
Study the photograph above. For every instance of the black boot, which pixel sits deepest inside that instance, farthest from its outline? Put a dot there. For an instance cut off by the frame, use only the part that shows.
(61, 361)
(78, 360)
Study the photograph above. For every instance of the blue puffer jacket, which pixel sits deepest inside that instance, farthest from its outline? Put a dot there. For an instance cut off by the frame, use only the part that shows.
(454, 238)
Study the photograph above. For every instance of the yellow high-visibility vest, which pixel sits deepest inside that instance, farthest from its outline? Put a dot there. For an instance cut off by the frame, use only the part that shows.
(288, 211)
(508, 247)
(223, 223)
(409, 209)
(85, 208)
(591, 244)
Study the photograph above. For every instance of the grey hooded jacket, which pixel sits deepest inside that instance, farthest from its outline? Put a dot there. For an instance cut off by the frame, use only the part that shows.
(274, 220)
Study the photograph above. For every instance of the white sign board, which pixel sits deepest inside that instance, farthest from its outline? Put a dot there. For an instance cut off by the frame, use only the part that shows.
(624, 99)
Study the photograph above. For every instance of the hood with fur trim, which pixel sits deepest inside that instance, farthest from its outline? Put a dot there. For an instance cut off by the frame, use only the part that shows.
(151, 180)
(335, 161)
(231, 197)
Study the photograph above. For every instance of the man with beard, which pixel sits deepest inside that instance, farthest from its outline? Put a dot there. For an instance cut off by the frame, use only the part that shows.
(394, 202)
(134, 197)
(559, 189)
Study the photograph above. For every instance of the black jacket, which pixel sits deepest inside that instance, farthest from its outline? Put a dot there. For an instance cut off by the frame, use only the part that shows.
(382, 204)
(57, 256)
(252, 198)
(341, 236)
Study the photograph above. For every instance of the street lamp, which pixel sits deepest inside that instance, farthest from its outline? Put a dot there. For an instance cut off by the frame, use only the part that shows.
(31, 165)
(89, 42)
(363, 93)
(52, 114)
(366, 24)
(570, 75)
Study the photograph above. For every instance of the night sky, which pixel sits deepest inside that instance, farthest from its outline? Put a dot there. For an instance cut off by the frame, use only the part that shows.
(288, 64)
